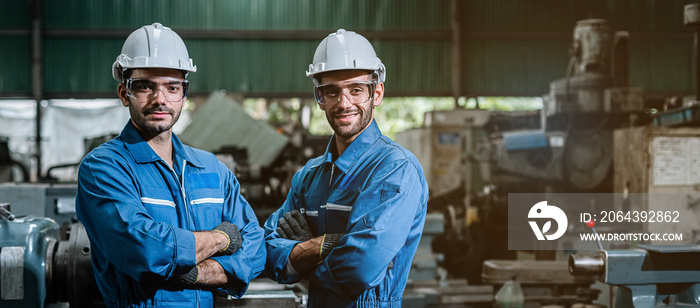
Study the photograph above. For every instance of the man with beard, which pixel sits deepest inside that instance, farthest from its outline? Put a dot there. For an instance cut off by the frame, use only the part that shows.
(353, 217)
(167, 224)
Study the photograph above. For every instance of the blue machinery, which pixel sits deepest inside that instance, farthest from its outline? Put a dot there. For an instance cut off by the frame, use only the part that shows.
(37, 268)
(650, 276)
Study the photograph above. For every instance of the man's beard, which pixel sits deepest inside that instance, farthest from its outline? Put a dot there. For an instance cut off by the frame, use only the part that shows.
(365, 119)
(153, 128)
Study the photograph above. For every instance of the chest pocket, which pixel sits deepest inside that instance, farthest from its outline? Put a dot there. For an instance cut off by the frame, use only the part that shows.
(337, 210)
(159, 204)
(310, 206)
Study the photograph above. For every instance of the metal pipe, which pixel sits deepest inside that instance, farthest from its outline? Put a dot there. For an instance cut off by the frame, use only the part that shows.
(457, 50)
(691, 18)
(37, 76)
(586, 265)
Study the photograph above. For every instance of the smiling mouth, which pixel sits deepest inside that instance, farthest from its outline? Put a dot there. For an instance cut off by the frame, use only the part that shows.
(159, 114)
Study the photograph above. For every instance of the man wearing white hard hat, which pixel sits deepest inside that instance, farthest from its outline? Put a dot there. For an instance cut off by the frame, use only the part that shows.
(167, 224)
(353, 218)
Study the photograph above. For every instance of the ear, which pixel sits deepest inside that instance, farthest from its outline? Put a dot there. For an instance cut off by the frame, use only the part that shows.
(121, 91)
(378, 94)
(321, 106)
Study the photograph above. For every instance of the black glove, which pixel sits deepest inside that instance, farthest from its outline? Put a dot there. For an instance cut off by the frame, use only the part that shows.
(187, 280)
(330, 241)
(293, 226)
(234, 237)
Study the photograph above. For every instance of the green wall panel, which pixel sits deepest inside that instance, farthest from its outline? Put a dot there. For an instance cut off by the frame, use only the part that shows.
(15, 14)
(416, 67)
(561, 15)
(662, 67)
(517, 68)
(246, 14)
(512, 47)
(250, 66)
(80, 66)
(15, 61)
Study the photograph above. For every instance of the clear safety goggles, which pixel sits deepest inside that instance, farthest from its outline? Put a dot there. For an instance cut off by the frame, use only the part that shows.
(357, 92)
(174, 89)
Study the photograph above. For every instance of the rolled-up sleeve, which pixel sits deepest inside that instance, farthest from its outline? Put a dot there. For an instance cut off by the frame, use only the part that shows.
(380, 222)
(109, 206)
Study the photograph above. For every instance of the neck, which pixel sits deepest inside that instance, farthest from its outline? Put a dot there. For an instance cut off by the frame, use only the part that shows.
(162, 144)
(341, 144)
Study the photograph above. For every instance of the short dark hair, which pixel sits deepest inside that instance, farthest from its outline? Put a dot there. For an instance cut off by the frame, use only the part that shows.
(126, 74)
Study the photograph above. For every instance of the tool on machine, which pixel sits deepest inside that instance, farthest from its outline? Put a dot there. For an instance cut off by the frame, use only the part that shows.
(5, 212)
(649, 276)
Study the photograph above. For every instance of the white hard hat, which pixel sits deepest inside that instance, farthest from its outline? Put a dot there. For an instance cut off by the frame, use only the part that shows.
(153, 46)
(345, 50)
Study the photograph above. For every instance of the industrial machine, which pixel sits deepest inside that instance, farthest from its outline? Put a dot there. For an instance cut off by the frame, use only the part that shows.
(54, 201)
(571, 150)
(475, 158)
(649, 276)
(38, 269)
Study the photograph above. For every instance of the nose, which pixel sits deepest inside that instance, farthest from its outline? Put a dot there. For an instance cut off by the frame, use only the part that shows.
(344, 99)
(157, 97)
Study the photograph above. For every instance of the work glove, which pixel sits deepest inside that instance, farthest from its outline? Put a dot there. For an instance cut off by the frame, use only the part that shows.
(234, 237)
(293, 226)
(330, 241)
(186, 280)
(190, 278)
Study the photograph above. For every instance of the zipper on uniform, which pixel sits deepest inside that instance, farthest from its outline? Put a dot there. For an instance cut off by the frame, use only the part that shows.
(184, 195)
(330, 181)
(182, 187)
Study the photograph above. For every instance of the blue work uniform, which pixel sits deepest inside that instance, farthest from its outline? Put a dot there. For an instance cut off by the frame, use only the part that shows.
(139, 214)
(376, 193)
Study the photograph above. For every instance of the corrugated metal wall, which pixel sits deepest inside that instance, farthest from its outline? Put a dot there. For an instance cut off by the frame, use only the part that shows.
(263, 47)
(516, 47)
(15, 47)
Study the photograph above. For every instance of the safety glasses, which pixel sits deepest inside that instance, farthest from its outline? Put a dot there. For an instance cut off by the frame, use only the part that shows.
(174, 89)
(356, 92)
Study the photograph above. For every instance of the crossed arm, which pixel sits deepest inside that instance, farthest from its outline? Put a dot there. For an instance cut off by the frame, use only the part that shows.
(308, 254)
(225, 239)
(158, 249)
(383, 215)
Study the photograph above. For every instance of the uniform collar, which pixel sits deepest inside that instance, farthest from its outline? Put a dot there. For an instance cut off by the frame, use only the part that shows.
(143, 153)
(356, 148)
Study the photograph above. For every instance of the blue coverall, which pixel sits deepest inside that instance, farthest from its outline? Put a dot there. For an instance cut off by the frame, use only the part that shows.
(139, 214)
(376, 193)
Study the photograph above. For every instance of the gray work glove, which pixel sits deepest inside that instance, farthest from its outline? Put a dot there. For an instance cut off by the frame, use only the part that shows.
(188, 279)
(293, 226)
(234, 237)
(330, 241)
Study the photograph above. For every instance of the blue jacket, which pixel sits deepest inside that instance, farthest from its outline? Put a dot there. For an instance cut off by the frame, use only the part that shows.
(376, 193)
(139, 215)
